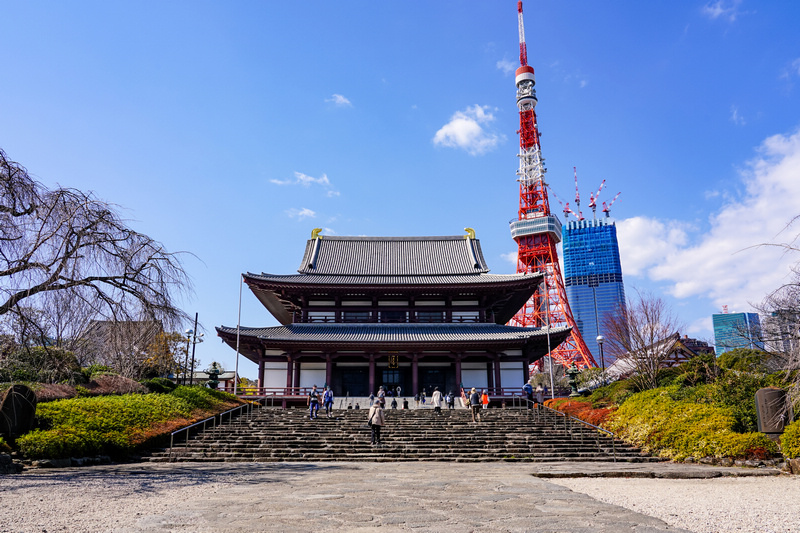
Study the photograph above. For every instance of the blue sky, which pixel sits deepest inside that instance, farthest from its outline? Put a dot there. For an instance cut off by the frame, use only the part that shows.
(232, 129)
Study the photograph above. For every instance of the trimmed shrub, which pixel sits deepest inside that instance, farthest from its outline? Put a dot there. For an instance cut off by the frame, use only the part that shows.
(790, 440)
(676, 429)
(160, 385)
(116, 425)
(612, 394)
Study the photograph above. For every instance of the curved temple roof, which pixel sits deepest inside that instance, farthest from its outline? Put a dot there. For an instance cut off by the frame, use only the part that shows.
(394, 336)
(393, 256)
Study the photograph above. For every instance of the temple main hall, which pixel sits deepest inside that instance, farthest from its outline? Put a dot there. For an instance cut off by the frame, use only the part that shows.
(408, 312)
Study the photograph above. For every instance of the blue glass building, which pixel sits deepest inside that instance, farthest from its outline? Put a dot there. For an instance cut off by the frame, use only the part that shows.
(737, 330)
(592, 276)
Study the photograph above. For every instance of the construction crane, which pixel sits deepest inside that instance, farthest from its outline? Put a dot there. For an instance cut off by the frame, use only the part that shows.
(607, 208)
(566, 209)
(537, 231)
(593, 200)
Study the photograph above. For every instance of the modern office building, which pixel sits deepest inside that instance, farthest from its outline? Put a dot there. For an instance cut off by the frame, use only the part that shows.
(737, 330)
(593, 276)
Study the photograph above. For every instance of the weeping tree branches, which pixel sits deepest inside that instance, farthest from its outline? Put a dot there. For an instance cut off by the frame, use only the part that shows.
(70, 244)
(641, 336)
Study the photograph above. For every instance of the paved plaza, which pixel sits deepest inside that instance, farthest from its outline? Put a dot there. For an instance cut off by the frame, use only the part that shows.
(352, 497)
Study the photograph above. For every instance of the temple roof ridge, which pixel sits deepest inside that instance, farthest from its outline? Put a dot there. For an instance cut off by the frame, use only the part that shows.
(393, 256)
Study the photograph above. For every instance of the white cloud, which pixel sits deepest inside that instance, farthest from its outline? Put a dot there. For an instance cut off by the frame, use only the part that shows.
(511, 257)
(736, 118)
(646, 242)
(466, 130)
(793, 69)
(506, 66)
(725, 263)
(300, 214)
(307, 181)
(724, 9)
(339, 101)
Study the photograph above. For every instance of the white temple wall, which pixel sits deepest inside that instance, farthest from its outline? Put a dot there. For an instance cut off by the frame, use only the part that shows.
(311, 374)
(274, 375)
(512, 375)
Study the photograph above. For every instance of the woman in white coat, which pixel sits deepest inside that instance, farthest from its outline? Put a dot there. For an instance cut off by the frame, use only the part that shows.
(436, 399)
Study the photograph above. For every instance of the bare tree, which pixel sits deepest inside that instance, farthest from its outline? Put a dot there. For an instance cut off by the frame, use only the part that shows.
(70, 243)
(641, 337)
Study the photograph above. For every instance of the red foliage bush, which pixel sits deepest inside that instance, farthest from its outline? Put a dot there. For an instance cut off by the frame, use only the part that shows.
(582, 410)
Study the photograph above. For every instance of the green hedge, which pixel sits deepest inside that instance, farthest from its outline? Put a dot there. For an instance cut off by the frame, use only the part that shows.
(676, 428)
(790, 440)
(113, 424)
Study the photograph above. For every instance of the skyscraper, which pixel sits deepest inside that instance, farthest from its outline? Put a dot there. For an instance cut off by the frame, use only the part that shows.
(737, 330)
(592, 276)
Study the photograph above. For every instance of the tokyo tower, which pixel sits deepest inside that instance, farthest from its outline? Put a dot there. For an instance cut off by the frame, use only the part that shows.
(536, 231)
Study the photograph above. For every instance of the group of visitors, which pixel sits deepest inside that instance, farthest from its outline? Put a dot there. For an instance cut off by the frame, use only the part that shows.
(529, 392)
(313, 402)
(476, 402)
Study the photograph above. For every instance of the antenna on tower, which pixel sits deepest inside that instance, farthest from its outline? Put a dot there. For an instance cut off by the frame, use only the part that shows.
(523, 48)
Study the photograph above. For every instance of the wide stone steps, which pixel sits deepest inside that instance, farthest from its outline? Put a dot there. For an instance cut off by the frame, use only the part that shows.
(409, 435)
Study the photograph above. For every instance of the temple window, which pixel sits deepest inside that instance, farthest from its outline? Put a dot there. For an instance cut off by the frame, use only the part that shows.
(356, 316)
(430, 316)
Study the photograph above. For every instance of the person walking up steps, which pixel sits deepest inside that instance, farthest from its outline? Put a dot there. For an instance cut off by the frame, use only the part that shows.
(376, 421)
(436, 400)
(475, 404)
(528, 390)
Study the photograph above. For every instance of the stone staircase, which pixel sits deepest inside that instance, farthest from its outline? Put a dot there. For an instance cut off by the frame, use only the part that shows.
(273, 434)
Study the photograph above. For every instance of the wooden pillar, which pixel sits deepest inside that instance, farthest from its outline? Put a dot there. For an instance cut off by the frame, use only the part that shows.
(260, 373)
(296, 374)
(328, 370)
(526, 371)
(497, 384)
(372, 373)
(415, 373)
(289, 364)
(459, 383)
(489, 374)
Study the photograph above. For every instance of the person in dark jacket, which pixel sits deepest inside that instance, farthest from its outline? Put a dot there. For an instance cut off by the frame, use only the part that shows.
(475, 404)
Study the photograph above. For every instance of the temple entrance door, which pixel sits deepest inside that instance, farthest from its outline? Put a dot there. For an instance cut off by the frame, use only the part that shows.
(435, 377)
(355, 382)
(393, 378)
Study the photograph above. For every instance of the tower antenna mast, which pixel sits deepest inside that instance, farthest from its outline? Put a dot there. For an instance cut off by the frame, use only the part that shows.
(536, 231)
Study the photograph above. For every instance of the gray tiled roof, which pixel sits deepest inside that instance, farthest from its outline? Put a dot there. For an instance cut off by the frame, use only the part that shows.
(315, 279)
(393, 256)
(395, 333)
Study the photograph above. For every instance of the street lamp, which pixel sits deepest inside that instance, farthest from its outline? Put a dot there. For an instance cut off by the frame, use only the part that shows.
(600, 340)
(198, 338)
(186, 362)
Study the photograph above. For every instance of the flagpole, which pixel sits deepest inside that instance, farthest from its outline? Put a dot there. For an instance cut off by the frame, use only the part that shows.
(238, 328)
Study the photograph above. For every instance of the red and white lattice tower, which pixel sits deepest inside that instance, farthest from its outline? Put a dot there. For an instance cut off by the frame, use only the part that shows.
(536, 230)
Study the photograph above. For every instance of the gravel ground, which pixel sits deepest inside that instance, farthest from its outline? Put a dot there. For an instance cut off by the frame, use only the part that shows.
(753, 504)
(302, 497)
(361, 497)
